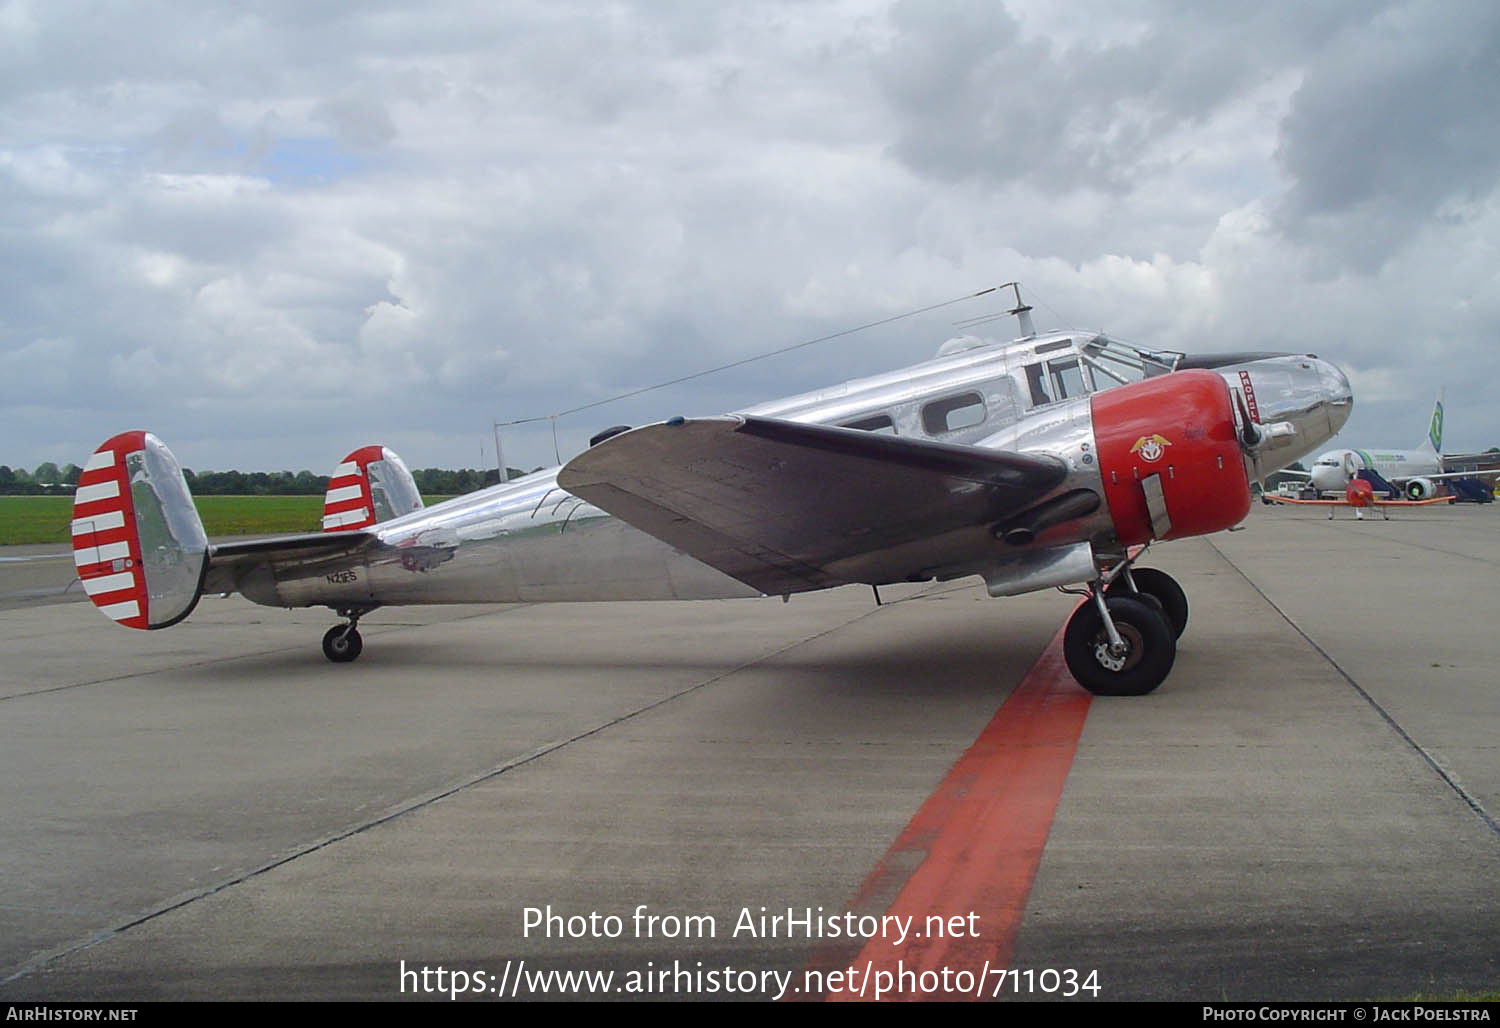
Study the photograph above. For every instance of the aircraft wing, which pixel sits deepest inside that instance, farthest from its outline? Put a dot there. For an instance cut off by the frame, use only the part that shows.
(1309, 503)
(1435, 476)
(229, 562)
(775, 503)
(1346, 503)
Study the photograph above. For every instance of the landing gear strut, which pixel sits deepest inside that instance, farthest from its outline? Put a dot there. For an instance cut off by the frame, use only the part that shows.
(1157, 588)
(1123, 640)
(342, 643)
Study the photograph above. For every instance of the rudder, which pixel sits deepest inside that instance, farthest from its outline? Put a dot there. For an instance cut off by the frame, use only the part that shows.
(369, 486)
(138, 545)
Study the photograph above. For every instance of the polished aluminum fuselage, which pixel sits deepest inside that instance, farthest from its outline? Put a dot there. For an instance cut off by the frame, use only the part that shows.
(531, 541)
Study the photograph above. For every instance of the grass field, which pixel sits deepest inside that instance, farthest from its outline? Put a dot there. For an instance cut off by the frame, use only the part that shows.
(46, 519)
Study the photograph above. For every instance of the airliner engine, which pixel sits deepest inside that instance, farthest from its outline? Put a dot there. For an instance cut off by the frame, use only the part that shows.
(1421, 489)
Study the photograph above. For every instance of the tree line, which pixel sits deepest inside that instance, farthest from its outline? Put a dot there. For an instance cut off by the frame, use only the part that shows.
(49, 479)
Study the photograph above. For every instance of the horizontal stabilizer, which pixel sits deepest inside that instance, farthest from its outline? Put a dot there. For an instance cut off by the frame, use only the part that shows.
(233, 566)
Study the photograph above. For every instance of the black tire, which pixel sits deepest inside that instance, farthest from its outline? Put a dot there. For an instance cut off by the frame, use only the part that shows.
(1146, 663)
(341, 648)
(1161, 587)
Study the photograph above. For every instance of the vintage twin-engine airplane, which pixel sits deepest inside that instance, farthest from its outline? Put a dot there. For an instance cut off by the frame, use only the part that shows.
(1049, 461)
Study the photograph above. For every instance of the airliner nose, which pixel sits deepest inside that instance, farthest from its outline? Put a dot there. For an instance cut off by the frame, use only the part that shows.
(1327, 479)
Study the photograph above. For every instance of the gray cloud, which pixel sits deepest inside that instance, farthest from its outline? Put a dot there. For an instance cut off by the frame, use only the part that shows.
(981, 97)
(273, 232)
(1393, 128)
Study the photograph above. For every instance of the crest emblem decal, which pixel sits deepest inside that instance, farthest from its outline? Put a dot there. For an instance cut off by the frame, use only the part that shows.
(1151, 447)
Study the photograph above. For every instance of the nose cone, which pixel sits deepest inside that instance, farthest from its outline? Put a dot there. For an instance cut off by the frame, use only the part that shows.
(1337, 393)
(1301, 400)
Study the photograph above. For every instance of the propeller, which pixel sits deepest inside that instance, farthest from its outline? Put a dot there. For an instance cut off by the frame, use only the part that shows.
(1251, 437)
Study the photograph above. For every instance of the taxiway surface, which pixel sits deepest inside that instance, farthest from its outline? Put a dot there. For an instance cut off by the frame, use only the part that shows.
(1306, 809)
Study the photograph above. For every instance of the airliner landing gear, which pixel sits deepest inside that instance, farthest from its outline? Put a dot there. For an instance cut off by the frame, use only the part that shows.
(1121, 643)
(342, 643)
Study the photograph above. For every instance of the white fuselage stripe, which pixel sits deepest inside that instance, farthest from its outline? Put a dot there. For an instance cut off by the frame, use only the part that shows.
(102, 459)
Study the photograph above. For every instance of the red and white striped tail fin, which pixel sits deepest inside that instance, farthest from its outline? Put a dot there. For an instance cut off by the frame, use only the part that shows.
(369, 486)
(138, 545)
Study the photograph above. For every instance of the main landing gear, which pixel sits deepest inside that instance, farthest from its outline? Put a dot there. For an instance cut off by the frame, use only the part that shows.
(1123, 640)
(342, 643)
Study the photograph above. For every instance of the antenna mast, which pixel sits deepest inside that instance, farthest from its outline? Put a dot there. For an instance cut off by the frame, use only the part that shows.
(1021, 311)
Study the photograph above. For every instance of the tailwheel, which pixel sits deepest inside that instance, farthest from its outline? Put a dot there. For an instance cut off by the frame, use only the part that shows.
(1133, 665)
(1158, 588)
(342, 643)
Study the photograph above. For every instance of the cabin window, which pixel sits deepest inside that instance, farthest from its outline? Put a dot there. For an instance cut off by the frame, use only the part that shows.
(953, 413)
(877, 423)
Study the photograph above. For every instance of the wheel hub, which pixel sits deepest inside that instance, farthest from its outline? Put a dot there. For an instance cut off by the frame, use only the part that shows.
(1117, 662)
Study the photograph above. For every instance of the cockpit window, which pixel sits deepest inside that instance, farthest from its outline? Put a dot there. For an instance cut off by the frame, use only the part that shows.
(1068, 378)
(1058, 379)
(953, 413)
(877, 423)
(1036, 378)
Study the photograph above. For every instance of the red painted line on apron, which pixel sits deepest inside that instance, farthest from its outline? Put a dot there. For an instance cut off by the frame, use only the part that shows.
(975, 844)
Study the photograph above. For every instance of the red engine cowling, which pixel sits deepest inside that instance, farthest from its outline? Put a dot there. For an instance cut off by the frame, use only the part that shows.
(1169, 457)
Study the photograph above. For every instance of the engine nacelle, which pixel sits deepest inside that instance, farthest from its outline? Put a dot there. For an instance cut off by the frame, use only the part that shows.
(1170, 458)
(1421, 489)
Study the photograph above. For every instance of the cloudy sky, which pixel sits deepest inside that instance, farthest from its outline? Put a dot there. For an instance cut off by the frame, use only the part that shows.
(273, 231)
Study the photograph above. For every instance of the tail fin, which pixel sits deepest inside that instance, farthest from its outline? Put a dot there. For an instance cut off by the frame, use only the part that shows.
(139, 547)
(1435, 429)
(370, 485)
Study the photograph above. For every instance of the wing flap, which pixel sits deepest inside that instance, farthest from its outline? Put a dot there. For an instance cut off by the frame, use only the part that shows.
(775, 503)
